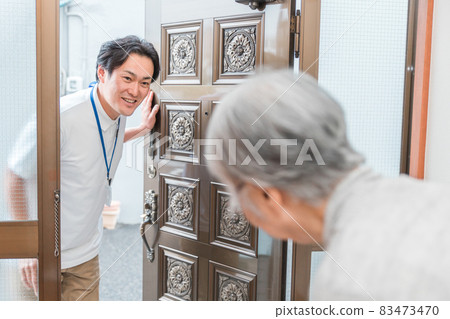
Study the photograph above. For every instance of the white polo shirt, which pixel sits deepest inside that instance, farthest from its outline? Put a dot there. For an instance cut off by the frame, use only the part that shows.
(83, 175)
(22, 161)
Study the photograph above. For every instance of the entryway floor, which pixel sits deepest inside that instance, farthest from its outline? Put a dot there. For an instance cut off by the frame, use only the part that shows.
(121, 252)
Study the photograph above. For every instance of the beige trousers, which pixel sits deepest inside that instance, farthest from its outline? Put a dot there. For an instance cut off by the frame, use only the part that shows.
(81, 283)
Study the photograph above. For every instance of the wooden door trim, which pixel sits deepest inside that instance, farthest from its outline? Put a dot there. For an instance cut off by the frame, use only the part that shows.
(19, 239)
(408, 89)
(301, 259)
(310, 37)
(47, 64)
(419, 116)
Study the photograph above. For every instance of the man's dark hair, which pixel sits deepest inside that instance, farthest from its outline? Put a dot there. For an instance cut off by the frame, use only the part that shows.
(114, 53)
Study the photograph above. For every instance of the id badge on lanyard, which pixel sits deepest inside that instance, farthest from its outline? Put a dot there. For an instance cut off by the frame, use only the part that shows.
(108, 167)
(108, 194)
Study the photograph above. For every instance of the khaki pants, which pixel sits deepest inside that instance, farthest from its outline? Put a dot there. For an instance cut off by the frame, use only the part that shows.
(81, 283)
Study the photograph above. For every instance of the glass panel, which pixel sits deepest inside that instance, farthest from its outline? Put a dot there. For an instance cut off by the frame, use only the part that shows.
(18, 110)
(289, 252)
(316, 259)
(362, 64)
(12, 287)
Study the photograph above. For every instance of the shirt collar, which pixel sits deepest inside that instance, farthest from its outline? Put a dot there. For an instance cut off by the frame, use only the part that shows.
(105, 121)
(343, 191)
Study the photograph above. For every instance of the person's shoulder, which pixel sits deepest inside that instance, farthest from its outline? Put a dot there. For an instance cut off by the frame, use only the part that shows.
(423, 183)
(408, 191)
(74, 101)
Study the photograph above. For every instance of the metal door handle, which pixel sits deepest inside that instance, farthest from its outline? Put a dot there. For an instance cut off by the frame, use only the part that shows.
(151, 169)
(149, 218)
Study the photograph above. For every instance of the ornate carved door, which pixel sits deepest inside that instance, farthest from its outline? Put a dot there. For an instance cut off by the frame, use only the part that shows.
(203, 250)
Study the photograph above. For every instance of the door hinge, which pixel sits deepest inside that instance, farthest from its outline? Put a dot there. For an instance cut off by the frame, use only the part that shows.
(295, 30)
(258, 4)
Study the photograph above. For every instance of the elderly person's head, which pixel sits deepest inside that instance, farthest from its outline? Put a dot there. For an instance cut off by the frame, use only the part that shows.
(285, 150)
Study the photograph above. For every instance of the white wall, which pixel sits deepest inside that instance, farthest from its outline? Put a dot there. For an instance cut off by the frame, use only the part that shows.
(107, 20)
(437, 156)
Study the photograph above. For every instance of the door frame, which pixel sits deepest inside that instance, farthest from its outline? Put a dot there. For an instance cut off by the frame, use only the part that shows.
(415, 106)
(422, 61)
(40, 239)
(47, 39)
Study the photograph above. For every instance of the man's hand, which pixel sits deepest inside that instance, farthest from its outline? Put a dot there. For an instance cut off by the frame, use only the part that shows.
(149, 114)
(148, 119)
(28, 273)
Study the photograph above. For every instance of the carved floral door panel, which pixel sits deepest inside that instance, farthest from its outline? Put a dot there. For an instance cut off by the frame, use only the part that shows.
(203, 249)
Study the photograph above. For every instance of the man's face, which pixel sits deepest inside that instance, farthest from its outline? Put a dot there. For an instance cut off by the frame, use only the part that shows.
(124, 89)
(280, 215)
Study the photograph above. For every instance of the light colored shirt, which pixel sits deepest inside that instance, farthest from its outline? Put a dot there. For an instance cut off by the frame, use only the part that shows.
(83, 175)
(386, 239)
(22, 161)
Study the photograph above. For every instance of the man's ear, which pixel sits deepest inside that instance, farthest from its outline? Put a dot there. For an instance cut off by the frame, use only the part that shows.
(101, 73)
(270, 200)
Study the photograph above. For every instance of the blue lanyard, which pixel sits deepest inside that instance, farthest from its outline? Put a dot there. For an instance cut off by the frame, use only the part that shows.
(108, 167)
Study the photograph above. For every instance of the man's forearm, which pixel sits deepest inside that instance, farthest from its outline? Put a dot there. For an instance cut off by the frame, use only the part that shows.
(134, 132)
(16, 196)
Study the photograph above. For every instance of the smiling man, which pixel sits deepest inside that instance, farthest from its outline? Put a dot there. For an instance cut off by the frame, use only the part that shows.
(93, 131)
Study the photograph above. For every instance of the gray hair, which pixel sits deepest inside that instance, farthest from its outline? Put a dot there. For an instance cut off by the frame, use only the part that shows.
(277, 105)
